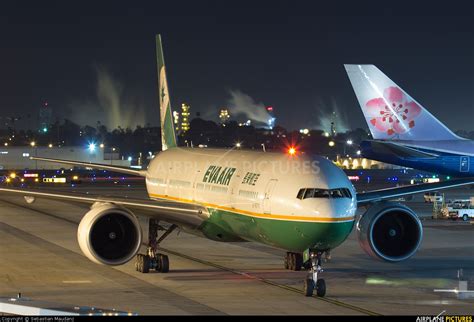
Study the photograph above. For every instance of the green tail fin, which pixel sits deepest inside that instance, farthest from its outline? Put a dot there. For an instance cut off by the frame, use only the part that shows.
(168, 137)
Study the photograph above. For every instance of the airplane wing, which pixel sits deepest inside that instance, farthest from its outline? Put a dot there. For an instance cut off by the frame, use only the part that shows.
(392, 193)
(170, 211)
(140, 173)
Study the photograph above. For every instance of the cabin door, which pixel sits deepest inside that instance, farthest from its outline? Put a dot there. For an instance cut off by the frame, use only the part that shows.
(268, 193)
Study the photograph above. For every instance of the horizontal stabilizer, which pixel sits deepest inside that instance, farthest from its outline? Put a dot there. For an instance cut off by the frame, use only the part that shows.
(392, 193)
(391, 148)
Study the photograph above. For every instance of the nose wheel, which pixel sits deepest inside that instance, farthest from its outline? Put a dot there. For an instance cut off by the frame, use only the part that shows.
(154, 260)
(312, 282)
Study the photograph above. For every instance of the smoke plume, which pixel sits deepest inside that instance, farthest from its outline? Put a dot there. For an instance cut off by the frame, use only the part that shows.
(242, 104)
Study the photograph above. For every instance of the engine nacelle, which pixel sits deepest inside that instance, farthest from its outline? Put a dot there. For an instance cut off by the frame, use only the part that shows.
(109, 234)
(389, 231)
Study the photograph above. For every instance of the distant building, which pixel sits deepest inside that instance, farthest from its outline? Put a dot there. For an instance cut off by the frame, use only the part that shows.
(176, 120)
(18, 157)
(224, 116)
(45, 115)
(185, 117)
(271, 120)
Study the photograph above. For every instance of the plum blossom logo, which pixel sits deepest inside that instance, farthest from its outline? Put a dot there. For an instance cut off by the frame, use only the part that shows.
(394, 113)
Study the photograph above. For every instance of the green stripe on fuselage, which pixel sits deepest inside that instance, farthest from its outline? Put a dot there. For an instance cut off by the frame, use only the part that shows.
(295, 236)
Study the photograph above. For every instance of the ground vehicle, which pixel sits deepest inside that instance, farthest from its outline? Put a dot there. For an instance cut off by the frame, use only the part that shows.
(434, 196)
(463, 211)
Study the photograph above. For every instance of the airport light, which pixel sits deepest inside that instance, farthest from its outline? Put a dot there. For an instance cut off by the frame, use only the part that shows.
(349, 142)
(358, 152)
(45, 129)
(8, 180)
(13, 175)
(91, 147)
(5, 144)
(101, 145)
(331, 143)
(238, 145)
(129, 159)
(33, 143)
(50, 145)
(292, 151)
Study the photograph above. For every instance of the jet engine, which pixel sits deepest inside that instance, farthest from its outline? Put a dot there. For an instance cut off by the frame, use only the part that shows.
(389, 231)
(109, 234)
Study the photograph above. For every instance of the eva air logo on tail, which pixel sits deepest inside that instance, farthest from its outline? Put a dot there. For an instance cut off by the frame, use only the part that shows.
(164, 96)
(394, 113)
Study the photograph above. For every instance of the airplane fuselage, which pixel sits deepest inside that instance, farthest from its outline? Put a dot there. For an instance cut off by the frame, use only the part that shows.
(293, 203)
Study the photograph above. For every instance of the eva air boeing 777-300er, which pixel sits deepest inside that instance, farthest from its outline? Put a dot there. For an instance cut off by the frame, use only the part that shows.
(303, 204)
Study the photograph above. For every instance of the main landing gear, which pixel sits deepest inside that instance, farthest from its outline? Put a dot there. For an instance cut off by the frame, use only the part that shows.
(153, 259)
(312, 282)
(293, 261)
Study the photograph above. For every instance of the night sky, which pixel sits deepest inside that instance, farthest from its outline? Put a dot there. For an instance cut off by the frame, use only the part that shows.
(287, 54)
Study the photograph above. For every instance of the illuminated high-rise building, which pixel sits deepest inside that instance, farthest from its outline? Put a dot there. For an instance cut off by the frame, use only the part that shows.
(224, 116)
(176, 120)
(185, 117)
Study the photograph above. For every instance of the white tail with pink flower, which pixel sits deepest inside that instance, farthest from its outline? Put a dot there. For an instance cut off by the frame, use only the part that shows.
(389, 111)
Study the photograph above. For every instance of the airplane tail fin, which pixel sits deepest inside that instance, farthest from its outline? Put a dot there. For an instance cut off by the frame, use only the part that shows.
(168, 137)
(390, 112)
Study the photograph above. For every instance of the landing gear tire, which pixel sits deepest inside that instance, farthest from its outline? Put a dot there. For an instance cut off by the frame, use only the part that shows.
(308, 287)
(321, 288)
(142, 263)
(163, 263)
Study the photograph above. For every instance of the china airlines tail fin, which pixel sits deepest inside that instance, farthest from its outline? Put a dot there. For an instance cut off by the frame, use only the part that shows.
(390, 112)
(168, 137)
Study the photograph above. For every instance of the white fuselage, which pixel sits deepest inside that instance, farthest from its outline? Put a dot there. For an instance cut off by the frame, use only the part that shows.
(259, 184)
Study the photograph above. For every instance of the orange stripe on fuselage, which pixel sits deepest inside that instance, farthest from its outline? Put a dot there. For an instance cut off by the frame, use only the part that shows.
(255, 214)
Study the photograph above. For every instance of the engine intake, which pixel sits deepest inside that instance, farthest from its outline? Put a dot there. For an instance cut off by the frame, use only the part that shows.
(109, 234)
(390, 231)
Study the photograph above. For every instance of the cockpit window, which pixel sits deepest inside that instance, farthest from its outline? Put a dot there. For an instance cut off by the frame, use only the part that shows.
(323, 193)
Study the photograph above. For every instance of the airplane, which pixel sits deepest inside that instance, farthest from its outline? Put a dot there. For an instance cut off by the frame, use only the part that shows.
(404, 132)
(302, 204)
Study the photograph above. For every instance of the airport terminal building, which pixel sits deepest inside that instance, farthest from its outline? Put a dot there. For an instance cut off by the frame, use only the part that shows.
(18, 157)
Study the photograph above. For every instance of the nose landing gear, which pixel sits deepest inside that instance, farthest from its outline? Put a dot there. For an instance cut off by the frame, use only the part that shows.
(312, 282)
(153, 259)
